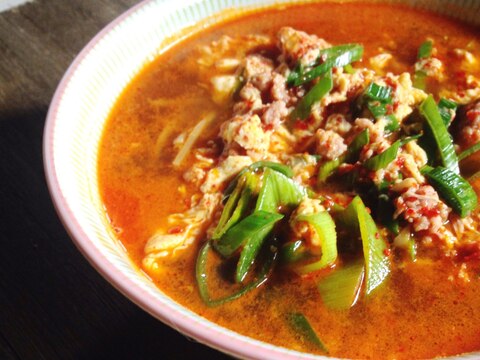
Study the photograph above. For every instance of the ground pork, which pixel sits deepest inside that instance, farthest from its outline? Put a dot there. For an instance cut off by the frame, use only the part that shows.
(329, 145)
(470, 126)
(422, 208)
(300, 46)
(275, 113)
(258, 71)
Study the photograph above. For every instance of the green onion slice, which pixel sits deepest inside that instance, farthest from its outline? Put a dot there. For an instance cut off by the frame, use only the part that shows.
(276, 190)
(324, 227)
(444, 107)
(316, 93)
(238, 203)
(377, 263)
(336, 56)
(420, 80)
(341, 289)
(425, 50)
(257, 226)
(443, 140)
(254, 232)
(202, 277)
(392, 124)
(467, 152)
(357, 145)
(379, 93)
(300, 324)
(328, 168)
(292, 252)
(281, 168)
(383, 159)
(454, 189)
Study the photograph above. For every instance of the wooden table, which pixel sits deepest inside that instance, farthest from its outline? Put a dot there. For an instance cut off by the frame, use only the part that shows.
(53, 304)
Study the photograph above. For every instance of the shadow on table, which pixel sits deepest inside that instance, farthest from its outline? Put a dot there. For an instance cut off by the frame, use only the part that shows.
(54, 304)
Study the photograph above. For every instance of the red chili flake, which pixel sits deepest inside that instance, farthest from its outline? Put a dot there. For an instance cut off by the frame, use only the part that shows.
(268, 127)
(389, 108)
(410, 212)
(411, 199)
(430, 212)
(387, 252)
(396, 104)
(472, 115)
(302, 125)
(400, 161)
(377, 235)
(175, 230)
(391, 83)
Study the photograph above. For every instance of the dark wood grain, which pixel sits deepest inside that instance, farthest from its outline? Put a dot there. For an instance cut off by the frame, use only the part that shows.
(53, 305)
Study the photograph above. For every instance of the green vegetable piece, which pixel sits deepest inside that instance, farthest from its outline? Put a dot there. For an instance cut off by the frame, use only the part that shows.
(377, 263)
(392, 124)
(379, 93)
(254, 231)
(377, 109)
(284, 169)
(328, 168)
(467, 152)
(420, 80)
(336, 56)
(300, 324)
(293, 251)
(444, 107)
(324, 227)
(349, 69)
(257, 225)
(443, 140)
(201, 277)
(454, 189)
(316, 93)
(383, 159)
(238, 203)
(357, 145)
(340, 290)
(278, 190)
(425, 50)
(405, 241)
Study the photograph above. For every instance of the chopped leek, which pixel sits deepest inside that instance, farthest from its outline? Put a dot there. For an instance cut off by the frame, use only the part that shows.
(336, 56)
(300, 324)
(392, 124)
(425, 50)
(202, 277)
(357, 145)
(467, 152)
(405, 241)
(284, 169)
(439, 132)
(383, 159)
(445, 107)
(257, 225)
(341, 289)
(324, 227)
(420, 80)
(276, 190)
(316, 93)
(293, 251)
(454, 189)
(328, 168)
(237, 204)
(379, 93)
(377, 263)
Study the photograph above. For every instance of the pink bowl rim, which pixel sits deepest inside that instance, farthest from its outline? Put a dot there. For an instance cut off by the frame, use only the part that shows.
(230, 342)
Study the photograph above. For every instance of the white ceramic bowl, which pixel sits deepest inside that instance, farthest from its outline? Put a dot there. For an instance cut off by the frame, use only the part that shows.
(74, 125)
